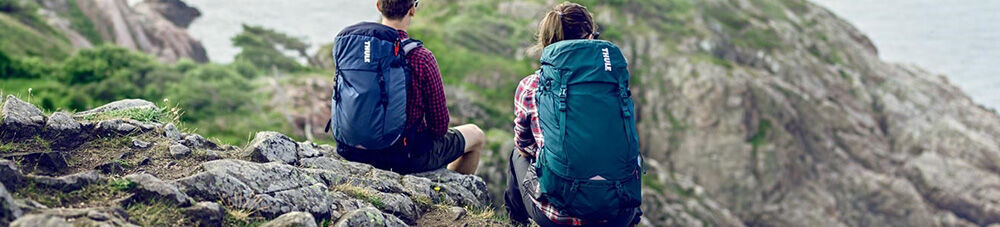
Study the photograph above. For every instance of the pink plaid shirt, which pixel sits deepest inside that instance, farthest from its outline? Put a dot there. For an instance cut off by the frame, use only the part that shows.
(426, 106)
(528, 138)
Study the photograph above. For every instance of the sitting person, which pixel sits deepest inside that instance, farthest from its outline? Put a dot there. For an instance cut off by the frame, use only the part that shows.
(389, 105)
(577, 159)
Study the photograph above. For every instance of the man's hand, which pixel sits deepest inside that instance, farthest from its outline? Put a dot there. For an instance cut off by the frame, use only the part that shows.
(525, 154)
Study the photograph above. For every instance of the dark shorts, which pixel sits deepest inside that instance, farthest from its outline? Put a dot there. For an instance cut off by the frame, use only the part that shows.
(414, 156)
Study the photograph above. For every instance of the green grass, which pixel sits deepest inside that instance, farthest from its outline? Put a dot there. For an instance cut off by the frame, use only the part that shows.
(96, 194)
(157, 213)
(487, 213)
(138, 114)
(361, 193)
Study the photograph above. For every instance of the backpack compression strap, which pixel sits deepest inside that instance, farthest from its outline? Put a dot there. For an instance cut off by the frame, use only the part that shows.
(410, 45)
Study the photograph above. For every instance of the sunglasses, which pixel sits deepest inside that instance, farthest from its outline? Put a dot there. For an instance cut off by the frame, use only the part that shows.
(597, 35)
(416, 3)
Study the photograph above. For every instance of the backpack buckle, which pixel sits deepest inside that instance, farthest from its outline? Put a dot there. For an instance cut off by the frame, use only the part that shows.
(562, 99)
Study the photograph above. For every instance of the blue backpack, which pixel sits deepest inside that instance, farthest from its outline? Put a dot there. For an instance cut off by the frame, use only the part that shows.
(589, 166)
(369, 97)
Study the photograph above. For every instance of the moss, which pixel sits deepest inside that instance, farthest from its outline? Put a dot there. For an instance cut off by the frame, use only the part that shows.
(486, 213)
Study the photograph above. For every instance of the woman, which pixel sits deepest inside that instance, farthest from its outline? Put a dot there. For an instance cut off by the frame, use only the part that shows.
(582, 78)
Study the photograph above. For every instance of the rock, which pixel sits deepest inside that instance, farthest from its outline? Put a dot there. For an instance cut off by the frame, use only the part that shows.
(120, 105)
(111, 167)
(8, 208)
(118, 127)
(10, 176)
(75, 217)
(150, 187)
(63, 132)
(19, 120)
(179, 151)
(273, 147)
(40, 162)
(368, 217)
(293, 219)
(170, 131)
(466, 190)
(68, 183)
(271, 189)
(308, 150)
(139, 144)
(399, 205)
(197, 141)
(176, 11)
(206, 213)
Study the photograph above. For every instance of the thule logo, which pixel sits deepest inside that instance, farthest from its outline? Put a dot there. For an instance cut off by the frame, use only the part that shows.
(607, 59)
(368, 52)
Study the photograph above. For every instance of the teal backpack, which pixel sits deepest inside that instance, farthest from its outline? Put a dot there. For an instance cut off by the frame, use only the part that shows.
(589, 166)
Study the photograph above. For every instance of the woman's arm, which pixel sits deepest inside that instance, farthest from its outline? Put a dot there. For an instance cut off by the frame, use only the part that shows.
(524, 110)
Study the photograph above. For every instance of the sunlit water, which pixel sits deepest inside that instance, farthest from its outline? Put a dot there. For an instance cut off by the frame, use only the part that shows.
(958, 38)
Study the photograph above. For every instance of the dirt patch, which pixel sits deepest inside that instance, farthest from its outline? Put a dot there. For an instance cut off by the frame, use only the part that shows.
(441, 216)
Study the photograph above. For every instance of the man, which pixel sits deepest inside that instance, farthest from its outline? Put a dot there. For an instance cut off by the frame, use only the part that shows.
(427, 143)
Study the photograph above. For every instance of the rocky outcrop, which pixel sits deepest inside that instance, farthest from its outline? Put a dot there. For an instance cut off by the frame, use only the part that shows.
(176, 11)
(155, 26)
(154, 165)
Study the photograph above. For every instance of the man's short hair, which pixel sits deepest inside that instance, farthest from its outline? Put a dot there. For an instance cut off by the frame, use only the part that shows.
(395, 9)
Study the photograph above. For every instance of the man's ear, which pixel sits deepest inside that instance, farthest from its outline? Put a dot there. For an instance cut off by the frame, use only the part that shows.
(413, 12)
(378, 6)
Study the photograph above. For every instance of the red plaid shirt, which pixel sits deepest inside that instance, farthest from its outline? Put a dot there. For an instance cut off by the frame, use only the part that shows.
(528, 138)
(426, 107)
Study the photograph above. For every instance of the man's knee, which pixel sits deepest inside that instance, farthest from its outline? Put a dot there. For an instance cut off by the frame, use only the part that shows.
(475, 137)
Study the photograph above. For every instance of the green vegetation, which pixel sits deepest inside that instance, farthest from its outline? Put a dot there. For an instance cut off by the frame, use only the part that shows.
(92, 195)
(760, 137)
(363, 194)
(156, 213)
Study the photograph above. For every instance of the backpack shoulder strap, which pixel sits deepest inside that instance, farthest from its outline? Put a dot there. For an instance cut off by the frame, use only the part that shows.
(410, 45)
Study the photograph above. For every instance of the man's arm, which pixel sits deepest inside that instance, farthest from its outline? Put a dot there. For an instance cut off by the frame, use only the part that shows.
(524, 102)
(436, 112)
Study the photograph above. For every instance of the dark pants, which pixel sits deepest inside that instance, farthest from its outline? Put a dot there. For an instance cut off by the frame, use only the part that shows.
(520, 206)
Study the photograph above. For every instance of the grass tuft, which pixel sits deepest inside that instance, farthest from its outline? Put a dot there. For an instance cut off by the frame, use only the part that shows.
(362, 194)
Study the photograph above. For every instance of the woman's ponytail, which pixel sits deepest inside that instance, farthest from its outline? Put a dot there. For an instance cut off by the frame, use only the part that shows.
(565, 21)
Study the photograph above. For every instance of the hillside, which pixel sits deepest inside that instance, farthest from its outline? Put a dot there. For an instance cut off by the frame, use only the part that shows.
(752, 113)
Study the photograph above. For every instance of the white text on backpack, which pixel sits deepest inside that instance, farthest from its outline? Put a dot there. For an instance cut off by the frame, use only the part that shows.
(368, 51)
(607, 59)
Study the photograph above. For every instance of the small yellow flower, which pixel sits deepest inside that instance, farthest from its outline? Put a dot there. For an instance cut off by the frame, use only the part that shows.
(437, 188)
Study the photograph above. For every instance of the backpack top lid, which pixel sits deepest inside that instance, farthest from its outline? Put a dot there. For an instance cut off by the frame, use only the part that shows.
(371, 29)
(584, 54)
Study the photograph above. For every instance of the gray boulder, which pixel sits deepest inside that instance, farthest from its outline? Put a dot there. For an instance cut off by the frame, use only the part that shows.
(63, 132)
(206, 213)
(171, 131)
(150, 187)
(117, 127)
(273, 147)
(139, 144)
(308, 150)
(271, 189)
(464, 190)
(8, 208)
(40, 162)
(19, 120)
(120, 105)
(68, 183)
(179, 151)
(197, 141)
(293, 219)
(10, 176)
(369, 217)
(75, 217)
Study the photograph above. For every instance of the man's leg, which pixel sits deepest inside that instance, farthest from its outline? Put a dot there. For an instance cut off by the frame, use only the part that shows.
(475, 140)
